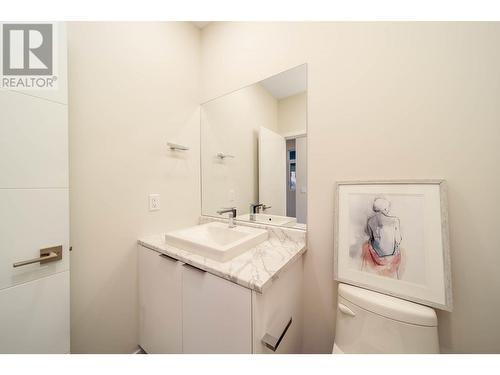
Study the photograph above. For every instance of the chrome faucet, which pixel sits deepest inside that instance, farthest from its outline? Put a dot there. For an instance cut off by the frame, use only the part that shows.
(254, 209)
(232, 215)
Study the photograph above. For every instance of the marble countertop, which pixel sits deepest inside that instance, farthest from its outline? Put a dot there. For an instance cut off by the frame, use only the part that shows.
(256, 268)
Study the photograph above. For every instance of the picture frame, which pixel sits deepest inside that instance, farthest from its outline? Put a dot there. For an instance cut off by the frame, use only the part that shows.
(392, 237)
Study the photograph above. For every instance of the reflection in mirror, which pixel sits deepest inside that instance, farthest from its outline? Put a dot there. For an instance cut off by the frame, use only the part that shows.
(253, 151)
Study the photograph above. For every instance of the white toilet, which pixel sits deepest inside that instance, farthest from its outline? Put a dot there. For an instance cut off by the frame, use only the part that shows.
(370, 322)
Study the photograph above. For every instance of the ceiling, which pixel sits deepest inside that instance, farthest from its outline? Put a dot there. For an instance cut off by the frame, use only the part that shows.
(200, 24)
(288, 83)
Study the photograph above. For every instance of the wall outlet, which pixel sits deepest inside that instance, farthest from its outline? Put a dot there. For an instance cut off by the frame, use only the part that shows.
(154, 202)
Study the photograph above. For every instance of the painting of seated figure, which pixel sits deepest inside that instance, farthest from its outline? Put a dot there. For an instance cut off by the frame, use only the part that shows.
(381, 252)
(387, 235)
(392, 237)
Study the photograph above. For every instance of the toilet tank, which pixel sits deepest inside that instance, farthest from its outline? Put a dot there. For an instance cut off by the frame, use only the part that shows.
(370, 322)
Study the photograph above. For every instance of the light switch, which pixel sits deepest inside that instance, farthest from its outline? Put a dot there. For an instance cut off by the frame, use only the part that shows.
(154, 202)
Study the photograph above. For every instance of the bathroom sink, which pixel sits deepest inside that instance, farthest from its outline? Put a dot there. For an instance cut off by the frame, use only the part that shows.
(269, 219)
(216, 240)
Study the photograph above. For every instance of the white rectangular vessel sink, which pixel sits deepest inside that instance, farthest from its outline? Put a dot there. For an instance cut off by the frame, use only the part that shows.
(216, 240)
(269, 219)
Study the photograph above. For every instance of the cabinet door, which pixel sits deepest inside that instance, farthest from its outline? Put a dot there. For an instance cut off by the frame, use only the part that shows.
(160, 314)
(273, 310)
(216, 314)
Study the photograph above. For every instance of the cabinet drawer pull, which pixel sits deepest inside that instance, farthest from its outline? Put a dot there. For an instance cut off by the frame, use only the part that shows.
(168, 257)
(194, 267)
(273, 342)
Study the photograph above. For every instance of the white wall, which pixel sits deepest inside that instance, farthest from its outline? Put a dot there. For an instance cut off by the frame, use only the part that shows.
(388, 100)
(132, 88)
(230, 124)
(292, 115)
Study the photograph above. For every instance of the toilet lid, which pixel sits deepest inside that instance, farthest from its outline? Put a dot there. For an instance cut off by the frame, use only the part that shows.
(389, 307)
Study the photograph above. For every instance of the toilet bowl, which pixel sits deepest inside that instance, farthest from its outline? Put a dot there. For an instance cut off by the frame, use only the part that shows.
(370, 322)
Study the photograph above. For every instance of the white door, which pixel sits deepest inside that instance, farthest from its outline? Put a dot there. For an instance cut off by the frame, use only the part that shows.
(34, 215)
(272, 171)
(301, 179)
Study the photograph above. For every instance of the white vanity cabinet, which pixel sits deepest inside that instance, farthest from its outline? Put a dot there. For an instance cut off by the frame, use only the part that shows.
(186, 310)
(160, 302)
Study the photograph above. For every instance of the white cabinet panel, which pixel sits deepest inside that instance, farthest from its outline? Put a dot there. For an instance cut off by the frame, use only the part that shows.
(32, 219)
(216, 314)
(34, 317)
(160, 313)
(273, 309)
(33, 142)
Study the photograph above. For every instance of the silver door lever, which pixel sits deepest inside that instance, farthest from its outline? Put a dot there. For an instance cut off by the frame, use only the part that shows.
(50, 254)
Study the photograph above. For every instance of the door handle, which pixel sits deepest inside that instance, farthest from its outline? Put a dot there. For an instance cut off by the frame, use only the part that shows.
(50, 254)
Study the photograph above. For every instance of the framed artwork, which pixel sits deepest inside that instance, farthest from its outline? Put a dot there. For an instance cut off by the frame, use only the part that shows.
(392, 237)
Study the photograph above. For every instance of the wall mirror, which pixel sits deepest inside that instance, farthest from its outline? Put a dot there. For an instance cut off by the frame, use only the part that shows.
(253, 151)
